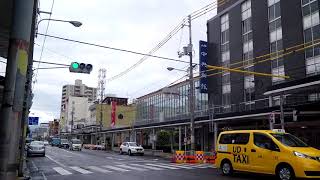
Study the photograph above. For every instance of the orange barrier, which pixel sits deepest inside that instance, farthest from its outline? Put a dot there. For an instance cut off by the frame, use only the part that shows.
(199, 156)
(179, 157)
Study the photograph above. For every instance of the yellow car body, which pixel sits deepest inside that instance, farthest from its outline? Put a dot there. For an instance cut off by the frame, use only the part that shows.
(267, 152)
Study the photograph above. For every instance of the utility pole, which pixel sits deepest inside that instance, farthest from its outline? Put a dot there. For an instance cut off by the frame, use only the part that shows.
(191, 94)
(15, 79)
(101, 89)
(28, 93)
(72, 116)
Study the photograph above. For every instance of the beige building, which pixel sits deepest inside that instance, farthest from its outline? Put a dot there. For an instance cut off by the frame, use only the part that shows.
(75, 102)
(77, 90)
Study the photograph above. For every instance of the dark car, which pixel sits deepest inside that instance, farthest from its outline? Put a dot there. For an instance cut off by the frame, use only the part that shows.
(64, 143)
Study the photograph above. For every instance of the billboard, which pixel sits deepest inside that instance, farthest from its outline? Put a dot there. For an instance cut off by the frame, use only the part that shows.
(203, 58)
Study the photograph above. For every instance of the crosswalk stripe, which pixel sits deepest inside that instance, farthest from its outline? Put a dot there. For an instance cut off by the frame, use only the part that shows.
(95, 168)
(116, 168)
(177, 166)
(61, 171)
(130, 167)
(147, 167)
(162, 166)
(80, 170)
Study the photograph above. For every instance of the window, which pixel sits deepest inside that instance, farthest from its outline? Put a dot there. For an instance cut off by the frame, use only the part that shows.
(225, 59)
(274, 10)
(237, 138)
(264, 142)
(278, 71)
(289, 140)
(310, 12)
(249, 81)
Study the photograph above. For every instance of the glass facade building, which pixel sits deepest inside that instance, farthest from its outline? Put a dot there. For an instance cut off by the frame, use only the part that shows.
(161, 106)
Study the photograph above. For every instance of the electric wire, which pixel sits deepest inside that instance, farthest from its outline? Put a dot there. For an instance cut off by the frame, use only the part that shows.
(43, 43)
(113, 48)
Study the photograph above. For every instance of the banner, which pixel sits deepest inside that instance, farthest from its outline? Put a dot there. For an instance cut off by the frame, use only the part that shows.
(203, 57)
(113, 113)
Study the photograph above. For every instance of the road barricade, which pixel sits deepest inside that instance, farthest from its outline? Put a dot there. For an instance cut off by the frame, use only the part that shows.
(199, 157)
(209, 157)
(179, 157)
(190, 157)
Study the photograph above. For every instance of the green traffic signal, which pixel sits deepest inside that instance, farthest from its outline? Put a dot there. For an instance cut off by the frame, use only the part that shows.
(75, 65)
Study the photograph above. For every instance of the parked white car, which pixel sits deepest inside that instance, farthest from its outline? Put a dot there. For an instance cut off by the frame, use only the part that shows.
(131, 148)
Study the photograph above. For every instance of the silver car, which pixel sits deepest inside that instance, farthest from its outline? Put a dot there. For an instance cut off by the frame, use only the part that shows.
(75, 144)
(36, 148)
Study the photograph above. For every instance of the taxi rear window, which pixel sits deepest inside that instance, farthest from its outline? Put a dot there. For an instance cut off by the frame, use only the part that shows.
(234, 138)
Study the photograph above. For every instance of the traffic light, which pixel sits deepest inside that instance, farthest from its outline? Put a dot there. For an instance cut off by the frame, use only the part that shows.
(80, 68)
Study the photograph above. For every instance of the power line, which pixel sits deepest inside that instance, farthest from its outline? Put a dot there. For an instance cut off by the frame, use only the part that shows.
(170, 35)
(113, 48)
(43, 43)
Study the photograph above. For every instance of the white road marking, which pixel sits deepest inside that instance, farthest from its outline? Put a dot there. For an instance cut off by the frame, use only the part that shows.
(147, 167)
(57, 162)
(95, 168)
(109, 157)
(62, 171)
(80, 170)
(162, 166)
(71, 152)
(177, 166)
(116, 168)
(44, 177)
(130, 167)
(34, 166)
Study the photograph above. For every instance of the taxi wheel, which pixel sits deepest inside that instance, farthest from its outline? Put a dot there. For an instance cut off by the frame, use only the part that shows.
(285, 172)
(129, 152)
(226, 168)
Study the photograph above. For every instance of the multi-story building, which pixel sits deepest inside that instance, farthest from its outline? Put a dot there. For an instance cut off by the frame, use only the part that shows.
(75, 103)
(54, 127)
(276, 37)
(169, 108)
(77, 90)
(75, 113)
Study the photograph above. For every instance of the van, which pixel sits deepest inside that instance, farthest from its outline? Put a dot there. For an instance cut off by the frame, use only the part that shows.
(271, 152)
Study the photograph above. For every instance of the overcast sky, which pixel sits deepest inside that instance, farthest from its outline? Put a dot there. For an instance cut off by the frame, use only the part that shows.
(134, 25)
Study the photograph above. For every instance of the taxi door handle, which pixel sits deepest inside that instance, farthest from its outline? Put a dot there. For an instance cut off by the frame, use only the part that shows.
(253, 150)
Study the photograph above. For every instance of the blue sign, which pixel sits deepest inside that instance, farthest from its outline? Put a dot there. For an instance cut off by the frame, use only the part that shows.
(33, 120)
(203, 53)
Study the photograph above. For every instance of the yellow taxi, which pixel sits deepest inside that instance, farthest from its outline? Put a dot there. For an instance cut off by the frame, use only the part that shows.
(271, 152)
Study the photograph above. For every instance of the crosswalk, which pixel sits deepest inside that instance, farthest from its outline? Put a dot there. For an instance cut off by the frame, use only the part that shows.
(122, 168)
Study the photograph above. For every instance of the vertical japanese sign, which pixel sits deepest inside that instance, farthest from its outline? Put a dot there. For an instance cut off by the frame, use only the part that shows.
(203, 53)
(113, 113)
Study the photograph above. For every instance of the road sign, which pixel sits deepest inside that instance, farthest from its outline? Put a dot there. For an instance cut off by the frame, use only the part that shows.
(33, 120)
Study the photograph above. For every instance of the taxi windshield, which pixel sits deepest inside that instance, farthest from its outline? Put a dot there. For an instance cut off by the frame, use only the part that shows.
(289, 140)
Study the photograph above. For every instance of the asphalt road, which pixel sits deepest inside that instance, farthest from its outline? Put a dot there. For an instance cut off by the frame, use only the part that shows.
(90, 164)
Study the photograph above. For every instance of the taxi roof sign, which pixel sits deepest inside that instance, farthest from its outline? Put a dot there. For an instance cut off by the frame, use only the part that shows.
(279, 130)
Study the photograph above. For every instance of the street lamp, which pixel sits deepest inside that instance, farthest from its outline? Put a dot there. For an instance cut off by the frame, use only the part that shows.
(74, 23)
(171, 69)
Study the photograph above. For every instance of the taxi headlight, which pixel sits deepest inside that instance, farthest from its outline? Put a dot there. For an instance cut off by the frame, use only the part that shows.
(301, 155)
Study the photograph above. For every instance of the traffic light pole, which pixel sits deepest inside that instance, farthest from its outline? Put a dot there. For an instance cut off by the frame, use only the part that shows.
(15, 79)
